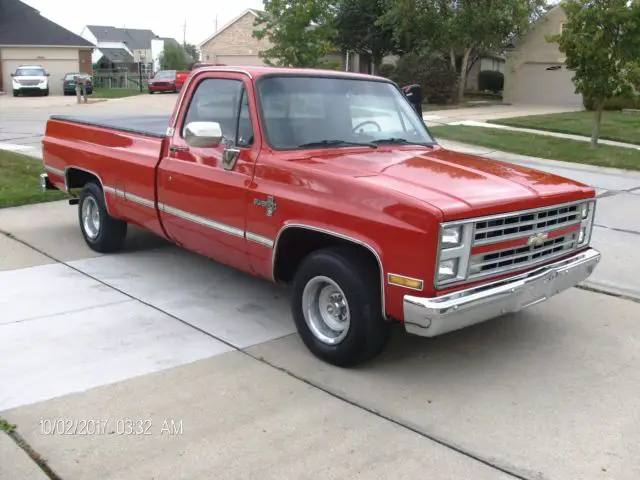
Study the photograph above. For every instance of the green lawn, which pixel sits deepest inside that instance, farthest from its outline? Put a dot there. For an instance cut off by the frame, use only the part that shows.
(20, 181)
(115, 92)
(623, 127)
(541, 146)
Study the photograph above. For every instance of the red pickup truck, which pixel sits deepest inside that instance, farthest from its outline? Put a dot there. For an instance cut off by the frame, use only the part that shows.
(328, 181)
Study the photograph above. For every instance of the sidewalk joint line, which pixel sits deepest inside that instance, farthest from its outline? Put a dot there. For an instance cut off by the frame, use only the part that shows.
(33, 455)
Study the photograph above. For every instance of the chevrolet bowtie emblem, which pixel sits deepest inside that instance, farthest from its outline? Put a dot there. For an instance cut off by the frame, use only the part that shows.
(269, 204)
(537, 240)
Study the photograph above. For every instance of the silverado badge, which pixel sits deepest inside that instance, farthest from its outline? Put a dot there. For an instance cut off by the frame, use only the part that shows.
(269, 204)
(537, 240)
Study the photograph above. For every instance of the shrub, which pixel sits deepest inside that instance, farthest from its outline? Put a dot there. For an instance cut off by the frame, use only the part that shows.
(490, 80)
(432, 72)
(386, 70)
(615, 103)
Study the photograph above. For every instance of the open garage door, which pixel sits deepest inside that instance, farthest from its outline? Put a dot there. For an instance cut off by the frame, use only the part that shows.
(55, 68)
(546, 84)
(248, 60)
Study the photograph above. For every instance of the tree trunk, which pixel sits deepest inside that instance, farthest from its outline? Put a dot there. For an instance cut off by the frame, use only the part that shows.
(595, 132)
(452, 59)
(462, 77)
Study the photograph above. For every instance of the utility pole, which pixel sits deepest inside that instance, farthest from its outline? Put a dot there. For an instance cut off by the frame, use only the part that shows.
(184, 33)
(216, 29)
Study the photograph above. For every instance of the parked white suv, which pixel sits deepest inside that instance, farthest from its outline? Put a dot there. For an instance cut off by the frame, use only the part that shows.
(30, 79)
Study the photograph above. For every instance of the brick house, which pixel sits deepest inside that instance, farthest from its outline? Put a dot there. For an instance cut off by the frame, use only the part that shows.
(234, 44)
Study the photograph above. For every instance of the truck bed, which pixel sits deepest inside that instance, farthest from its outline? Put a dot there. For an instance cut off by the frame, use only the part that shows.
(147, 125)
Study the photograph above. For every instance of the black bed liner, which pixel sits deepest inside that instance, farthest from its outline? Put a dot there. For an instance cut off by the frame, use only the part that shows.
(147, 125)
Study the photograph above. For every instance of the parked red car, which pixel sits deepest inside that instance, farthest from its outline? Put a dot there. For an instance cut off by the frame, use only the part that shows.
(167, 81)
(331, 182)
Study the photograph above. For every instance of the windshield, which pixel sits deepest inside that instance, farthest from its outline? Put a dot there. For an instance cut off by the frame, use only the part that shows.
(317, 112)
(72, 76)
(30, 72)
(165, 75)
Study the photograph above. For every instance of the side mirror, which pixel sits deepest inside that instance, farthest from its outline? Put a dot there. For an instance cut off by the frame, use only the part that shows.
(48, 74)
(203, 134)
(13, 74)
(414, 95)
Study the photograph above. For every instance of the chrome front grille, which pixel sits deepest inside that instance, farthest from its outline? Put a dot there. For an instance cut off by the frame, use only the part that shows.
(482, 247)
(508, 227)
(29, 83)
(497, 261)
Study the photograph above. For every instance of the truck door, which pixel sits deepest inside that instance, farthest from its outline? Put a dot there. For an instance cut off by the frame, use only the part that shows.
(202, 199)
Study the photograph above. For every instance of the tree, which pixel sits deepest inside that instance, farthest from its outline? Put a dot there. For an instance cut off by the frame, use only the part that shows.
(358, 30)
(460, 27)
(301, 32)
(173, 57)
(192, 51)
(601, 41)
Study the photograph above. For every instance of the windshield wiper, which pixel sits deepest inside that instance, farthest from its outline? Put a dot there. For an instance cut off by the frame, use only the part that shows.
(400, 141)
(337, 143)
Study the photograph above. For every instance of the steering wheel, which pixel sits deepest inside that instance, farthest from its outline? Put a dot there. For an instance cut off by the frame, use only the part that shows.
(361, 124)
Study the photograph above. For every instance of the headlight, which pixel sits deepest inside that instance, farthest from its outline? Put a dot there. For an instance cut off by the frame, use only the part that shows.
(448, 269)
(453, 254)
(451, 236)
(587, 212)
(584, 210)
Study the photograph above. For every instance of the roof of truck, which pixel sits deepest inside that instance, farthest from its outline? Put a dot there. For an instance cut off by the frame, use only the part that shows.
(259, 71)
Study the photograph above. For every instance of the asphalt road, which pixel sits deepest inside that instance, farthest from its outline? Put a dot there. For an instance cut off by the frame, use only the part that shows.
(160, 335)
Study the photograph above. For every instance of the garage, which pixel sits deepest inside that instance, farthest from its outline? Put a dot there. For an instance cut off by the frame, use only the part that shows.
(248, 60)
(54, 63)
(545, 84)
(28, 38)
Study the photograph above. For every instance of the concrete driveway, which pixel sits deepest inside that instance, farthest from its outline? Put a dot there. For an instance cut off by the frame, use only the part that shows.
(157, 363)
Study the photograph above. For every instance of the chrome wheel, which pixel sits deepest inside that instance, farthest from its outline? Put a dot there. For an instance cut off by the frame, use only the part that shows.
(326, 310)
(90, 217)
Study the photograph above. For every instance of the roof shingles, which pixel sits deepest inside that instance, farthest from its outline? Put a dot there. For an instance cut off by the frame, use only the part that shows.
(21, 24)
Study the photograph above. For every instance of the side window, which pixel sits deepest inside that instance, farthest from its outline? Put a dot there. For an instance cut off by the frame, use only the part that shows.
(224, 101)
(245, 129)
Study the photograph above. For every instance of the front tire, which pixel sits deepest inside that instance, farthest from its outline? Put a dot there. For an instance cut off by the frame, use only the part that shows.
(336, 306)
(101, 232)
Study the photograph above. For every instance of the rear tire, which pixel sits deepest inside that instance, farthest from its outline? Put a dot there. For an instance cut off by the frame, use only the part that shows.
(101, 232)
(336, 306)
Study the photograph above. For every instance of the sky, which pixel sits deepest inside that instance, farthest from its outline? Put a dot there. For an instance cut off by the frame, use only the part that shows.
(165, 17)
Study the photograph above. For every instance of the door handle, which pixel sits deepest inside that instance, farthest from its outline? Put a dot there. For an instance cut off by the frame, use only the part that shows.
(177, 148)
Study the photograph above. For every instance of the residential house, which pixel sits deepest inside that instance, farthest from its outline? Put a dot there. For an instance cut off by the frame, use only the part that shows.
(123, 48)
(234, 44)
(28, 38)
(534, 70)
(486, 61)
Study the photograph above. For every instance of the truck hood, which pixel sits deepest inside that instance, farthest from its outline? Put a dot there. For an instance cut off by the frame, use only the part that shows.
(456, 183)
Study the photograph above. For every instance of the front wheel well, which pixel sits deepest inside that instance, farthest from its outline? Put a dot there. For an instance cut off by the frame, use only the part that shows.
(77, 178)
(295, 243)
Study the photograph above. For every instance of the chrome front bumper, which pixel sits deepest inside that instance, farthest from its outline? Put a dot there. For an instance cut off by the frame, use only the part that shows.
(429, 317)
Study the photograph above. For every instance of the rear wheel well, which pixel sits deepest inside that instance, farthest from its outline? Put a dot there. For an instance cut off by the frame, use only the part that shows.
(295, 243)
(77, 178)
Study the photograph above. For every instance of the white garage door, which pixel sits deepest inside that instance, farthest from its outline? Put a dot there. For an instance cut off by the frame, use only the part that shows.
(546, 84)
(240, 60)
(56, 69)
